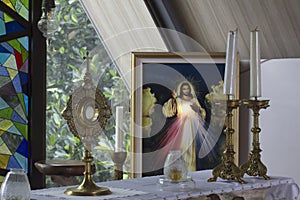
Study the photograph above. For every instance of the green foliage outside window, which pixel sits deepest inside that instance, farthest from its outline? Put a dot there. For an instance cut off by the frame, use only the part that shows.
(65, 70)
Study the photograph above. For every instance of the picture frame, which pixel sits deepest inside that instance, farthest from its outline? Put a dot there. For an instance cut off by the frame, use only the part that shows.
(156, 115)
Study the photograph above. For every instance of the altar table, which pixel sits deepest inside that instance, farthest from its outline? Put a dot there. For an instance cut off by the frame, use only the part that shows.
(147, 188)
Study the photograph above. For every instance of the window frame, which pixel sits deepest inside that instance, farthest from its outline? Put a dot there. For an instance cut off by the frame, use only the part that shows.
(37, 111)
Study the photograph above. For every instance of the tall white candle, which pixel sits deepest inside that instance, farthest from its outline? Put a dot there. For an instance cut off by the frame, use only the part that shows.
(119, 126)
(255, 70)
(230, 66)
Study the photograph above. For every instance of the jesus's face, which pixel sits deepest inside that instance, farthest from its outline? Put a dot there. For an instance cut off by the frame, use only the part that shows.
(186, 90)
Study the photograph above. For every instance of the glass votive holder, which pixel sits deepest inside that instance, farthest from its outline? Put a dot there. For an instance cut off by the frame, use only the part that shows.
(15, 186)
(175, 174)
(175, 168)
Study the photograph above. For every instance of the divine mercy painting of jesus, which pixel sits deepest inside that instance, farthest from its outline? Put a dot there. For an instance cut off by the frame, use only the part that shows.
(179, 96)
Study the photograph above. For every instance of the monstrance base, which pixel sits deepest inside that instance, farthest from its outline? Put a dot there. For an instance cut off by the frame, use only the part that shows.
(88, 191)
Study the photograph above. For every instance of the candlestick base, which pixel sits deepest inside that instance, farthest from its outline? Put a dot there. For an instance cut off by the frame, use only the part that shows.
(118, 158)
(254, 166)
(228, 169)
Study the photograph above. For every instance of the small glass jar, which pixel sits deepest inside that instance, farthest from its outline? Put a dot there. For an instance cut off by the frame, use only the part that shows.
(15, 186)
(175, 168)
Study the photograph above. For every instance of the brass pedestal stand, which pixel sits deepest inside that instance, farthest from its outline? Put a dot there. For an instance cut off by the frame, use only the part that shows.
(118, 158)
(228, 169)
(254, 166)
(88, 186)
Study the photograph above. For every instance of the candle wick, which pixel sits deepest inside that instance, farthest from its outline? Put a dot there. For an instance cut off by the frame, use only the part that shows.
(256, 29)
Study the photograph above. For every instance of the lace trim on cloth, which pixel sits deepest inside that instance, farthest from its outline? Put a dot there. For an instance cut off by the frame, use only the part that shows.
(58, 193)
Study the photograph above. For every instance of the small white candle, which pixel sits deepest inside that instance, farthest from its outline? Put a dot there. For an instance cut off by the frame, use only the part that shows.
(255, 71)
(119, 125)
(230, 66)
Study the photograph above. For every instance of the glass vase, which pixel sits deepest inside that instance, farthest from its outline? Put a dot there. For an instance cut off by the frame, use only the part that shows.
(15, 186)
(175, 168)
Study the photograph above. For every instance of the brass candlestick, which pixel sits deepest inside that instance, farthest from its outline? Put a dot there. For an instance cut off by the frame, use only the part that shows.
(118, 158)
(254, 166)
(88, 186)
(228, 169)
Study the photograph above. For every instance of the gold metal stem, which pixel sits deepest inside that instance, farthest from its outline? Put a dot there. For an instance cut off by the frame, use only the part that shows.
(88, 186)
(228, 169)
(254, 165)
(118, 158)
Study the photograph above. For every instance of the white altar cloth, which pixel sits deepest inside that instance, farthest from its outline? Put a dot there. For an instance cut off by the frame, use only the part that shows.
(58, 193)
(147, 188)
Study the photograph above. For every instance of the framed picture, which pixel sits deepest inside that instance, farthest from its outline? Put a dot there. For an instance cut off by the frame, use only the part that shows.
(176, 106)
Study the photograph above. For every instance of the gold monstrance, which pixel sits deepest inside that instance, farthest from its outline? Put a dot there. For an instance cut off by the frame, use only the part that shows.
(87, 113)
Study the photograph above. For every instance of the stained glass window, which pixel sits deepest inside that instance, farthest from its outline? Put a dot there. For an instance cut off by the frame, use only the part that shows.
(9, 25)
(14, 88)
(19, 6)
(14, 104)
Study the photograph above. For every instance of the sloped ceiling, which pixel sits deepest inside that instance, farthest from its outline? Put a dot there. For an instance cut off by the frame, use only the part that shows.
(124, 26)
(208, 21)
